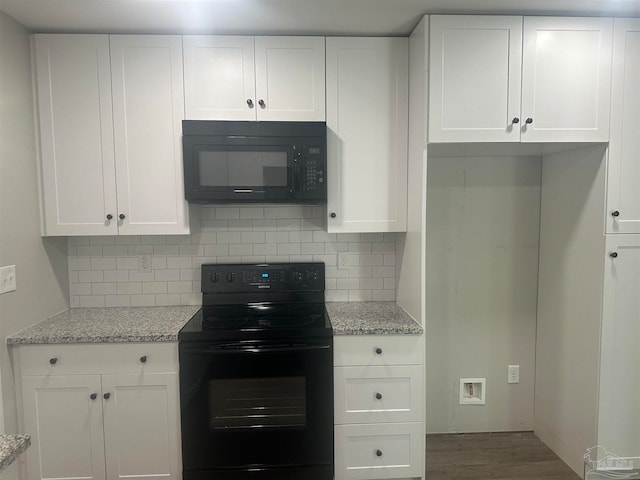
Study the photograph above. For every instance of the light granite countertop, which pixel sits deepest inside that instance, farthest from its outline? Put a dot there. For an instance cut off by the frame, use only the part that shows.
(10, 447)
(162, 324)
(108, 325)
(371, 318)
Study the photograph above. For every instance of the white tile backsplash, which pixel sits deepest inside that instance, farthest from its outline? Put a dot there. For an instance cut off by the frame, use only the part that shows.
(103, 271)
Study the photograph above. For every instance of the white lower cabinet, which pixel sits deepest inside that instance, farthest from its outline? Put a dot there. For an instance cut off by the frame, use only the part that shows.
(390, 450)
(619, 416)
(121, 421)
(378, 400)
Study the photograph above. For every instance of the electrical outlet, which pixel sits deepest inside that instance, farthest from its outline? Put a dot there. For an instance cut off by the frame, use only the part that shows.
(7, 279)
(144, 263)
(343, 261)
(513, 374)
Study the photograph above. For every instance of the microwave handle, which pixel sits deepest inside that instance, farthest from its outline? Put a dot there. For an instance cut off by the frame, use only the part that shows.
(293, 172)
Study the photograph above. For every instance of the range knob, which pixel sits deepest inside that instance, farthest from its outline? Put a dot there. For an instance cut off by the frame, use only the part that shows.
(296, 276)
(312, 276)
(214, 277)
(230, 277)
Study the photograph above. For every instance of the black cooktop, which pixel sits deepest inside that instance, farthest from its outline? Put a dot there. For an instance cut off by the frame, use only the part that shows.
(243, 301)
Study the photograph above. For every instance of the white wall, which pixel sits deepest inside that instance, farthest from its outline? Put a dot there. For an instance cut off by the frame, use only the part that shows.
(572, 259)
(41, 264)
(482, 265)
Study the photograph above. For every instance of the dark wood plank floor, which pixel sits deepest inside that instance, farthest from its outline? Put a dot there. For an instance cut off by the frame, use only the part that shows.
(478, 456)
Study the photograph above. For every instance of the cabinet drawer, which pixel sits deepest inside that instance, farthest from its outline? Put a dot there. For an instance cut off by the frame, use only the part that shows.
(66, 359)
(390, 450)
(378, 394)
(377, 350)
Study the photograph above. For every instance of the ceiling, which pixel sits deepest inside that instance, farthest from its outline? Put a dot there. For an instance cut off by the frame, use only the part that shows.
(278, 17)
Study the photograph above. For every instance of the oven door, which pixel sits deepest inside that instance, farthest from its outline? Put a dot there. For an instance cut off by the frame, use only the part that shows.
(256, 405)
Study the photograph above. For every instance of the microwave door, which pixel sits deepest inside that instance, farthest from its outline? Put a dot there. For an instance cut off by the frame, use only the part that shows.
(243, 173)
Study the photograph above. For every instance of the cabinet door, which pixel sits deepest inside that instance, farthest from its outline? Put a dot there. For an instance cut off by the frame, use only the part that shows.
(566, 79)
(73, 83)
(148, 108)
(290, 78)
(219, 78)
(623, 189)
(474, 73)
(619, 416)
(141, 426)
(367, 115)
(65, 425)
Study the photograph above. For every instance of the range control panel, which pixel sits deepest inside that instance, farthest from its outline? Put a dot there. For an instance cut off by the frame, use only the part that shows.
(274, 277)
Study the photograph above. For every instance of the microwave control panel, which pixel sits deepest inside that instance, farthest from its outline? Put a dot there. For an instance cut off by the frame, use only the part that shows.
(310, 170)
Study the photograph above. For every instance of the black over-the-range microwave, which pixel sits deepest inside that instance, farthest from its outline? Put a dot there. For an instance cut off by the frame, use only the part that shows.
(254, 162)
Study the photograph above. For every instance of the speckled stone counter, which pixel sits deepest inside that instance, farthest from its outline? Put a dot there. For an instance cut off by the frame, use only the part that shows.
(371, 318)
(108, 325)
(10, 447)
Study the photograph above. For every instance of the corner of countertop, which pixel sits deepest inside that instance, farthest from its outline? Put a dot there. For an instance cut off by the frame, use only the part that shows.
(10, 447)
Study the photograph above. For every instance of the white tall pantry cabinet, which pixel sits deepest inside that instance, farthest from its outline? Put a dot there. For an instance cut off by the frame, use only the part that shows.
(619, 416)
(110, 110)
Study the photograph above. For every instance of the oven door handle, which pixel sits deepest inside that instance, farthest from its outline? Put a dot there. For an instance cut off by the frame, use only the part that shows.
(213, 350)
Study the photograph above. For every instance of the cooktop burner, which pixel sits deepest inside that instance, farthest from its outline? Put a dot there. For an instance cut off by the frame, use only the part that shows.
(260, 301)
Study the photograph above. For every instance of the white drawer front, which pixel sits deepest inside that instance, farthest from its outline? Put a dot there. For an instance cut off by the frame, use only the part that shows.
(378, 394)
(63, 359)
(399, 445)
(377, 350)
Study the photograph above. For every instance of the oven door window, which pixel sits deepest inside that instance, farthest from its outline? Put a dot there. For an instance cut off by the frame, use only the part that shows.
(277, 402)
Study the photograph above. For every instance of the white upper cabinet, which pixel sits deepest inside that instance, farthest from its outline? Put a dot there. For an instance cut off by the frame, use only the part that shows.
(478, 93)
(254, 78)
(290, 78)
(148, 108)
(566, 79)
(474, 87)
(367, 116)
(219, 78)
(107, 173)
(623, 189)
(73, 85)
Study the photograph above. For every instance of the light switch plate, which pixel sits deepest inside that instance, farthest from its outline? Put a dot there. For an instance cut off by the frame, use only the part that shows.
(7, 279)
(513, 374)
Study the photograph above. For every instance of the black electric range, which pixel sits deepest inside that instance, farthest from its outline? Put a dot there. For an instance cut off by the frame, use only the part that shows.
(256, 375)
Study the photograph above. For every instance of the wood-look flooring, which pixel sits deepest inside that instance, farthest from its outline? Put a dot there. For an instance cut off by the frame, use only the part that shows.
(504, 456)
